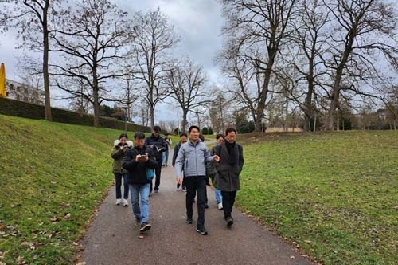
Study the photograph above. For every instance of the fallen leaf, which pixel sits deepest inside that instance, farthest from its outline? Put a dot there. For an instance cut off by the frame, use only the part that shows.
(54, 219)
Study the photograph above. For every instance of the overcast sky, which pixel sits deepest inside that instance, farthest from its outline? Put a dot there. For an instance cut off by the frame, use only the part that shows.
(197, 22)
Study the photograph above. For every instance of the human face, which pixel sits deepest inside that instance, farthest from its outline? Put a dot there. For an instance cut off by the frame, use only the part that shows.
(156, 133)
(194, 135)
(139, 142)
(183, 139)
(123, 140)
(220, 140)
(230, 137)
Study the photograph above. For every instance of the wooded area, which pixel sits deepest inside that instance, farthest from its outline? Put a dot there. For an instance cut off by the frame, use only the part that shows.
(313, 64)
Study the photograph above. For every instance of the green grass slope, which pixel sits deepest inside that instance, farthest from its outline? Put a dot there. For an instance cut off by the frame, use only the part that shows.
(334, 194)
(52, 176)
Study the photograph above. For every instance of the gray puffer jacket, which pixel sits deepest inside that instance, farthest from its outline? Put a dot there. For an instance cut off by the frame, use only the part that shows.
(192, 157)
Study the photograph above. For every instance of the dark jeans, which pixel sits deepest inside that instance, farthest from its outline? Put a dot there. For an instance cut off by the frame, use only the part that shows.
(158, 171)
(118, 185)
(195, 185)
(228, 200)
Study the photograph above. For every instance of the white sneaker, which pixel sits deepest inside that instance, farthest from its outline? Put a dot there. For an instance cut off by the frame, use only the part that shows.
(219, 206)
(125, 202)
(118, 201)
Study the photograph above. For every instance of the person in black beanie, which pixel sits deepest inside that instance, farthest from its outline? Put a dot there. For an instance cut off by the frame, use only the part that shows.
(228, 169)
(158, 145)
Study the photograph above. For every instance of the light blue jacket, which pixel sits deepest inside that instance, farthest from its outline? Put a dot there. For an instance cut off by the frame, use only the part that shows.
(192, 159)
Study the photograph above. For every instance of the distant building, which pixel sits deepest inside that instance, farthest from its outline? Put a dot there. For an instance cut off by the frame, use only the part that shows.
(24, 92)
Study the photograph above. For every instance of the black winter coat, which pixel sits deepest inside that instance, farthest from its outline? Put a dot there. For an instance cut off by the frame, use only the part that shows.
(159, 145)
(228, 178)
(136, 171)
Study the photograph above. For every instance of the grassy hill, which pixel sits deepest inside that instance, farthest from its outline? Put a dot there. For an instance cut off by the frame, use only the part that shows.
(335, 195)
(52, 175)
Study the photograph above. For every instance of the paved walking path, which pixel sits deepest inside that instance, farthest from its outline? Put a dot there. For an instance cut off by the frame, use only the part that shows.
(113, 237)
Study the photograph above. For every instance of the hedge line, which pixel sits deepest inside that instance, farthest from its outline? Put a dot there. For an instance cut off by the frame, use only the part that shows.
(11, 107)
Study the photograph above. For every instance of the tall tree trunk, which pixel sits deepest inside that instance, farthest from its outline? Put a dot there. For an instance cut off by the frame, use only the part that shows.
(334, 101)
(184, 120)
(46, 74)
(152, 114)
(263, 95)
(96, 99)
(309, 108)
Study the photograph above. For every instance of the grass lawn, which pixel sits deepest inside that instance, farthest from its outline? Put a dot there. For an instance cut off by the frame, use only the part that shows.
(334, 195)
(52, 176)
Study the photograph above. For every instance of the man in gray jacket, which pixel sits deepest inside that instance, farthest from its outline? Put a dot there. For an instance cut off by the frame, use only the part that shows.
(192, 156)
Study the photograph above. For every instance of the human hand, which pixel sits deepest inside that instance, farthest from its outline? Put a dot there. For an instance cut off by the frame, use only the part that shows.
(216, 158)
(179, 180)
(142, 158)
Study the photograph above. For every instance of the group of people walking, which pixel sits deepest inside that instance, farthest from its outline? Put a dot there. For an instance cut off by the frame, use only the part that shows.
(193, 163)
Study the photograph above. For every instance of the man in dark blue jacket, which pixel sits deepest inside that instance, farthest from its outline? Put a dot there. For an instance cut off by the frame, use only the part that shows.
(138, 161)
(158, 145)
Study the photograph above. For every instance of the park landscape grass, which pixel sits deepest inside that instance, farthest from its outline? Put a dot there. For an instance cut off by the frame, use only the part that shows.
(52, 176)
(333, 194)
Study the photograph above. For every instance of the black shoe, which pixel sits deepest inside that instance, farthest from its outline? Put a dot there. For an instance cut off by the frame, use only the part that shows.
(145, 227)
(206, 206)
(230, 221)
(137, 221)
(201, 230)
(156, 191)
(189, 220)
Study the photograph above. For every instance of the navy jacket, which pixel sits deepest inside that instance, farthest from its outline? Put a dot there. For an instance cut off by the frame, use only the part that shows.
(136, 171)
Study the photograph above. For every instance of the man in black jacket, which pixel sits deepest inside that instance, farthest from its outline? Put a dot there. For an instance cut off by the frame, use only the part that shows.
(138, 161)
(158, 145)
(228, 169)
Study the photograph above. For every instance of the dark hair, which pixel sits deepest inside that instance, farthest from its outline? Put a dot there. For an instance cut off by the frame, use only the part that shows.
(219, 135)
(157, 129)
(201, 137)
(228, 130)
(183, 134)
(122, 135)
(139, 135)
(193, 127)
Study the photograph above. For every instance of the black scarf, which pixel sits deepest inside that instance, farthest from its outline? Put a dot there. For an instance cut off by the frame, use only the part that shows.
(231, 153)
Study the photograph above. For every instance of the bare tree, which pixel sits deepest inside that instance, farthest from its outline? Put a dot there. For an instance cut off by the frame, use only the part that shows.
(186, 81)
(34, 21)
(390, 100)
(257, 30)
(92, 37)
(310, 35)
(359, 28)
(219, 111)
(154, 39)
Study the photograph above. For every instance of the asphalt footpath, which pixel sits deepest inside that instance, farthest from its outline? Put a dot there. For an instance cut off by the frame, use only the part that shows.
(113, 237)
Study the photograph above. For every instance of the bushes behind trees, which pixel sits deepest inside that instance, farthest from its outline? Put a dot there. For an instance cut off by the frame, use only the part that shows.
(11, 107)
